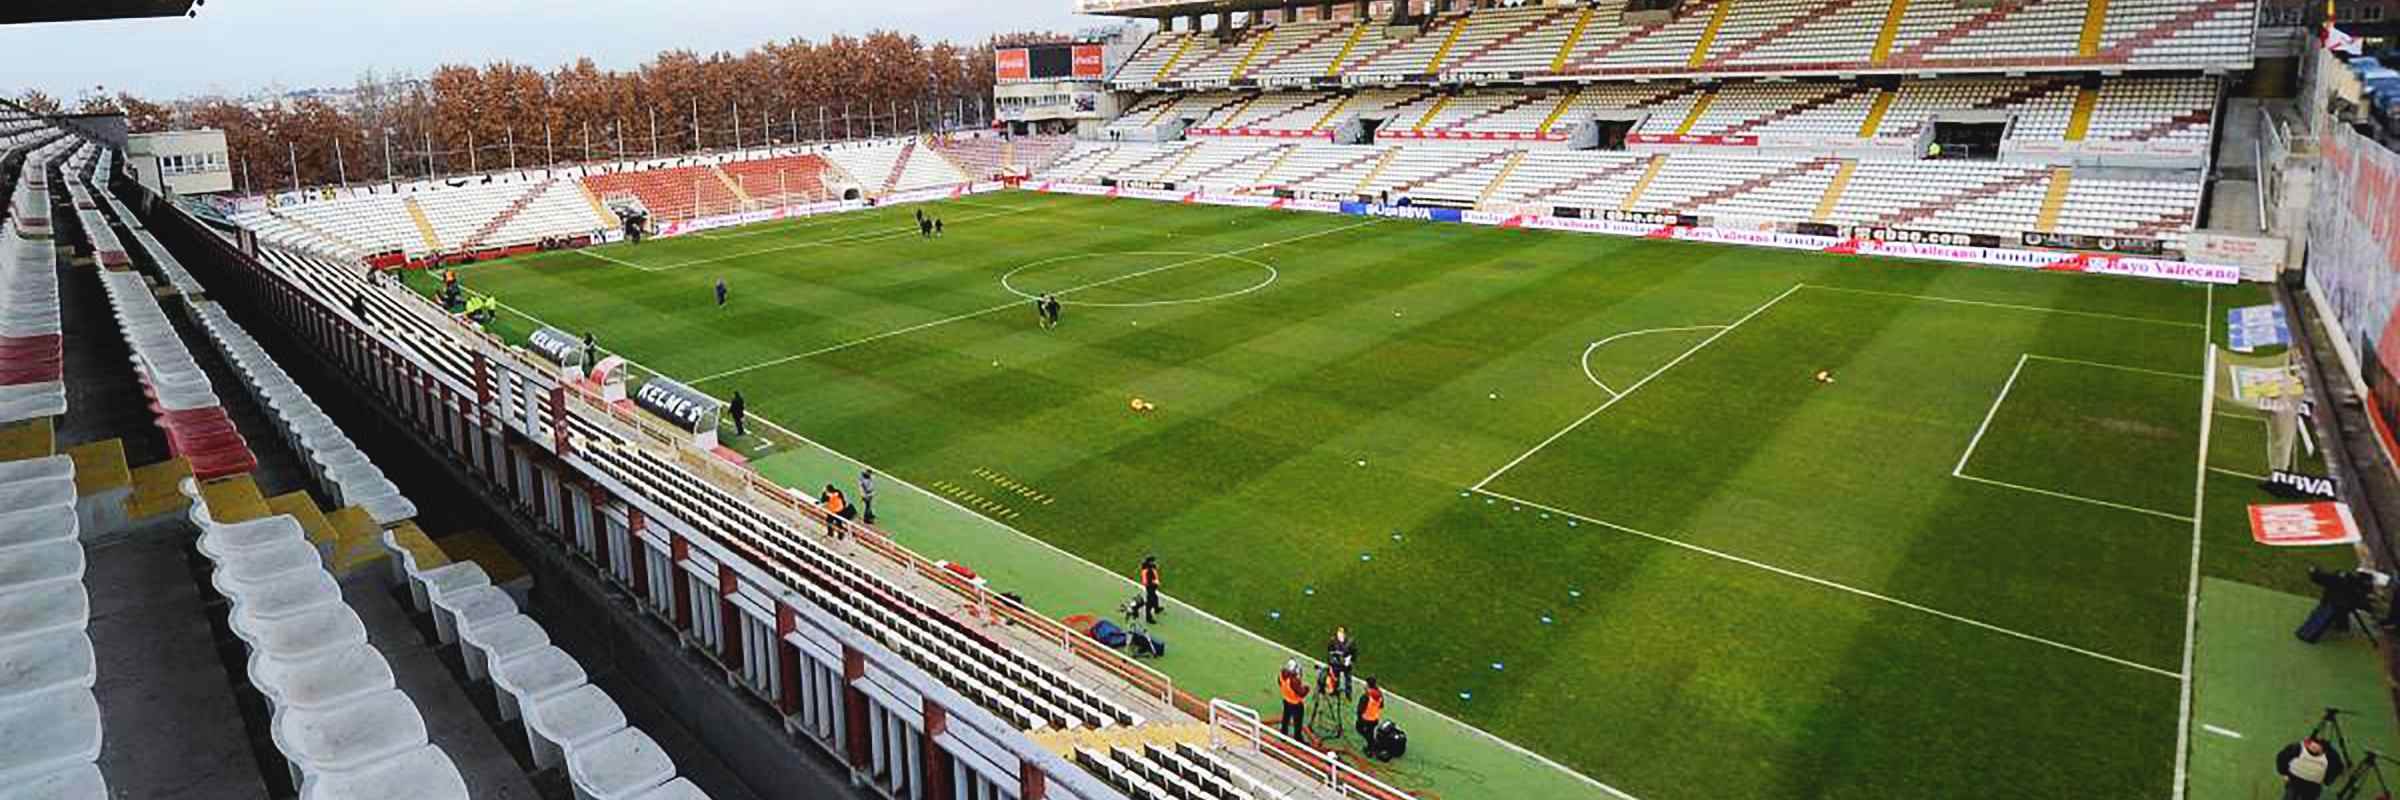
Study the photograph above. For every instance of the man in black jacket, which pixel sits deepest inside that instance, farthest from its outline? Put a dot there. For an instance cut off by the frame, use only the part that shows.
(2307, 767)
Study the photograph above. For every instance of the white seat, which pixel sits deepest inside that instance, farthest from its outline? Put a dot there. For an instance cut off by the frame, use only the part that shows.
(32, 468)
(248, 570)
(624, 764)
(23, 568)
(305, 635)
(282, 596)
(60, 659)
(24, 615)
(677, 789)
(350, 736)
(425, 773)
(538, 674)
(48, 732)
(38, 493)
(322, 679)
(467, 608)
(423, 587)
(19, 528)
(564, 722)
(498, 640)
(217, 540)
(78, 782)
(390, 509)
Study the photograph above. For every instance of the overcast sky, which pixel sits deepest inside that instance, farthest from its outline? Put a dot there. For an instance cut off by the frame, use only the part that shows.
(237, 46)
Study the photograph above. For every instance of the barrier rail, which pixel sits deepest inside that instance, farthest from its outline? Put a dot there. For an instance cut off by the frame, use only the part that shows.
(1324, 765)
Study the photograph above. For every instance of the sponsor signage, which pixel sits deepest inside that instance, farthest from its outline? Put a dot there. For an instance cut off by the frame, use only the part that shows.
(2251, 327)
(1913, 236)
(2286, 483)
(1404, 212)
(2302, 524)
(682, 405)
(1012, 64)
(1711, 140)
(556, 347)
(1648, 218)
(1790, 240)
(2105, 244)
(1473, 136)
(1087, 61)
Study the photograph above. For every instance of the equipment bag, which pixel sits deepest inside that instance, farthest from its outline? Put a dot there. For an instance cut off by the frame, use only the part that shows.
(1107, 633)
(1147, 645)
(1390, 740)
(2324, 617)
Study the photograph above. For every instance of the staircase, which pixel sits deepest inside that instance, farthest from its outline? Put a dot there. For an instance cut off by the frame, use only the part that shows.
(1470, 166)
(1394, 45)
(1795, 109)
(1177, 164)
(1586, 179)
(2179, 24)
(1708, 36)
(1433, 66)
(2095, 20)
(1304, 179)
(1382, 164)
(1753, 184)
(1330, 113)
(1833, 191)
(1277, 164)
(1876, 112)
(1602, 53)
(1515, 159)
(898, 165)
(1256, 44)
(1335, 69)
(744, 195)
(1566, 49)
(1828, 10)
(1305, 45)
(1699, 108)
(1278, 150)
(1915, 54)
(1657, 162)
(2055, 199)
(1993, 189)
(1890, 33)
(1431, 113)
(600, 213)
(416, 214)
(1566, 100)
(2079, 121)
(1181, 48)
(1515, 33)
(1511, 105)
(501, 219)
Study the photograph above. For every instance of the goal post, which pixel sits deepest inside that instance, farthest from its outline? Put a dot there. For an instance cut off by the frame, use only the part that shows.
(2269, 386)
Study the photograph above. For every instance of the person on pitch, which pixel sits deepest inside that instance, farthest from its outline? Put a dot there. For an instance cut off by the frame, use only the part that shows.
(1370, 711)
(866, 496)
(740, 411)
(1150, 582)
(1050, 308)
(1341, 655)
(1294, 690)
(720, 292)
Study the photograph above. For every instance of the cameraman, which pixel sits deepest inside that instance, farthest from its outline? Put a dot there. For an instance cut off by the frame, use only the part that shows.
(1341, 654)
(1295, 698)
(2343, 594)
(2307, 767)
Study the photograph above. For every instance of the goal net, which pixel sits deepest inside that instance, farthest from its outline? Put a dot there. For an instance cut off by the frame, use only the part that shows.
(2267, 386)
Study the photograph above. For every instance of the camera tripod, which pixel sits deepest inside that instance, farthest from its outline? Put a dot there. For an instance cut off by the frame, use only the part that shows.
(2355, 781)
(1328, 715)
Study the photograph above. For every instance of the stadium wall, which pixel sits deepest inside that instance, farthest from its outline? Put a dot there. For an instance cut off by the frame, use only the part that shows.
(2353, 265)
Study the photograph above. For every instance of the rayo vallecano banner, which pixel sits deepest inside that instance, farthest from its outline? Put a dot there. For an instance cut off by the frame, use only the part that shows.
(2354, 260)
(2098, 263)
(682, 405)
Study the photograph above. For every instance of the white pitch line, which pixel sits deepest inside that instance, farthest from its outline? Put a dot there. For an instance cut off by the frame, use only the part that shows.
(2010, 306)
(2075, 497)
(1017, 304)
(1832, 584)
(1988, 415)
(1587, 352)
(2118, 367)
(2191, 590)
(2225, 732)
(606, 257)
(2237, 473)
(1637, 385)
(855, 238)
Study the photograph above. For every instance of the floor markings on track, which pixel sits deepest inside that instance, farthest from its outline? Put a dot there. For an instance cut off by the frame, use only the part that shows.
(1019, 304)
(1587, 352)
(2009, 306)
(1637, 385)
(1003, 481)
(1830, 584)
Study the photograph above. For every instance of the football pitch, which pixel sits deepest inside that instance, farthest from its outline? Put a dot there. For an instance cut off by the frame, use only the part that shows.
(1585, 493)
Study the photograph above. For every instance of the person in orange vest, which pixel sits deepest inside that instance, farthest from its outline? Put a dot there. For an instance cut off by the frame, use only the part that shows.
(1295, 701)
(1150, 605)
(837, 509)
(1370, 711)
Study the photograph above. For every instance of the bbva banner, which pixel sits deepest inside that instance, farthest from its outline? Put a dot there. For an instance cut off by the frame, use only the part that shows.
(1404, 212)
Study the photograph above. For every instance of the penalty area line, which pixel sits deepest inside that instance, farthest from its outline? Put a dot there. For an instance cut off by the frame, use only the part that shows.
(613, 259)
(1834, 585)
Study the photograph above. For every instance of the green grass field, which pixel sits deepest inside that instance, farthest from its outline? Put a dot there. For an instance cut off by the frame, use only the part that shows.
(1580, 492)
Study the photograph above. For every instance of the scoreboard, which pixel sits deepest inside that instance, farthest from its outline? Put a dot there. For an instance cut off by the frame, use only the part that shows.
(1044, 62)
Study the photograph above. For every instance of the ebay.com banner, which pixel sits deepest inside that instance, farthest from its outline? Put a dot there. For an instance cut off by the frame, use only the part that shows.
(2097, 263)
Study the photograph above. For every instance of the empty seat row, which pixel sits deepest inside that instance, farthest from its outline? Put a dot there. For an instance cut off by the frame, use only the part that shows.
(48, 714)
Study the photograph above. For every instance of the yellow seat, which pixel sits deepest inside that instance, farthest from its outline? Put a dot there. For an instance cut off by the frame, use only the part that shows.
(100, 467)
(156, 489)
(33, 438)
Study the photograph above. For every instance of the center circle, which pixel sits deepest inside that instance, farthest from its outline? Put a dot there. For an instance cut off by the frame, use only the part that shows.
(1187, 259)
